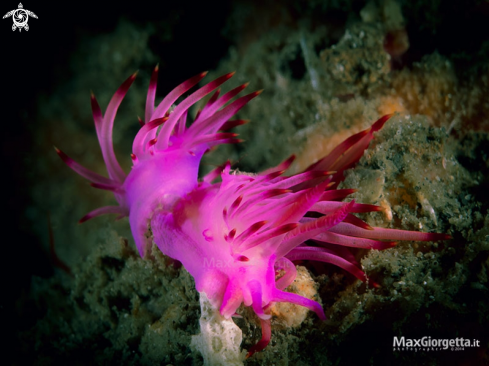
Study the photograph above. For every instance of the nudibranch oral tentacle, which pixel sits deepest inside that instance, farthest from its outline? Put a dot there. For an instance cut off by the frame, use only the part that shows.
(235, 235)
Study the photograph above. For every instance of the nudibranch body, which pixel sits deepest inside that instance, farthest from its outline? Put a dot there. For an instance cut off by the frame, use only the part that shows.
(235, 235)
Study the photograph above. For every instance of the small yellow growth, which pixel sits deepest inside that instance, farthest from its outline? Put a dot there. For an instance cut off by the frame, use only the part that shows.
(427, 208)
(400, 195)
(391, 104)
(291, 315)
(387, 209)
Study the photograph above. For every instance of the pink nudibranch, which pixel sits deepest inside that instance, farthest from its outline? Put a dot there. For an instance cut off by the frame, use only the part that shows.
(233, 236)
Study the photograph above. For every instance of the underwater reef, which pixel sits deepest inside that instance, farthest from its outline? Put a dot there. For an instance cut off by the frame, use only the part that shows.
(328, 70)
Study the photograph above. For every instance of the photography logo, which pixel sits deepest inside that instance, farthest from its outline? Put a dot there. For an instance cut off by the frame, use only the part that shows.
(428, 344)
(20, 17)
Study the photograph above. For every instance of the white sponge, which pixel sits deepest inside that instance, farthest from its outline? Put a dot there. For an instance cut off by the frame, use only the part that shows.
(219, 339)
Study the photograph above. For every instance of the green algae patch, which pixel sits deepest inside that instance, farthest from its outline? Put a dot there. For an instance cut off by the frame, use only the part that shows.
(117, 308)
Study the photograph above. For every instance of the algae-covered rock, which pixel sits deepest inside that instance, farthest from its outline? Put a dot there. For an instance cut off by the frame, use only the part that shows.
(116, 308)
(327, 74)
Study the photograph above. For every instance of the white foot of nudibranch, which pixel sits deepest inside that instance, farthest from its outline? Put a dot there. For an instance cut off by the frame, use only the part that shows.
(219, 339)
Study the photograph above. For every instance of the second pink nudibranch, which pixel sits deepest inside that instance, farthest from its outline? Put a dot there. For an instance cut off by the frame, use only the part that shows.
(234, 235)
